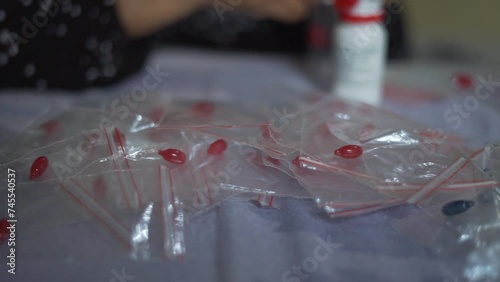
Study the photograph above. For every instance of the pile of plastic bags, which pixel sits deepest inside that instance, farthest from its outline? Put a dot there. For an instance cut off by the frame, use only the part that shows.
(170, 161)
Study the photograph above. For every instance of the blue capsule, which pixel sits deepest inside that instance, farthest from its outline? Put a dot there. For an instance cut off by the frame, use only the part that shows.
(457, 207)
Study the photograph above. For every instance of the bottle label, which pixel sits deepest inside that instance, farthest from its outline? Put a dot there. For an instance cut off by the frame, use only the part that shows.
(360, 59)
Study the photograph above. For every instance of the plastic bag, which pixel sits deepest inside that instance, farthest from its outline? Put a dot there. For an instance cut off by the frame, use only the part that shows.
(98, 200)
(184, 114)
(89, 123)
(467, 213)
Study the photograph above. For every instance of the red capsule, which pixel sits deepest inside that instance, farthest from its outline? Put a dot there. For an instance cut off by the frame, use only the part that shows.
(99, 188)
(173, 155)
(463, 81)
(4, 232)
(349, 151)
(203, 109)
(296, 161)
(51, 126)
(38, 167)
(217, 148)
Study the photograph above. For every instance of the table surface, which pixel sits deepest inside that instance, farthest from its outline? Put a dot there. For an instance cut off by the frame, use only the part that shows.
(239, 241)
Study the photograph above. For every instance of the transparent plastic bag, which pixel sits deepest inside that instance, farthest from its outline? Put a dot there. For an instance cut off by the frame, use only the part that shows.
(98, 200)
(143, 177)
(391, 148)
(339, 195)
(186, 114)
(228, 172)
(465, 222)
(467, 213)
(490, 159)
(89, 123)
(71, 142)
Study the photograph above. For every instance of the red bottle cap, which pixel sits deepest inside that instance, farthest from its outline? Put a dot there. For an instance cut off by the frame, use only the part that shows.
(359, 11)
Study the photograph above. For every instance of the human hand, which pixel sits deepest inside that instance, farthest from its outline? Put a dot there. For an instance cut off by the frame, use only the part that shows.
(287, 11)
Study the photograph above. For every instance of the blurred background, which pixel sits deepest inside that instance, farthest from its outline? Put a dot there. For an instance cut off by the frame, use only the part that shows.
(457, 29)
(84, 43)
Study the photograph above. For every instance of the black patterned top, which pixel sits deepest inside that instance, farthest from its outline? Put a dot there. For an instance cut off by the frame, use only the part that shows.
(73, 44)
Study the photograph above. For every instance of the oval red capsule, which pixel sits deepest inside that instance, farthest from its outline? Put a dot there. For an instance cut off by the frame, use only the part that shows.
(4, 232)
(463, 81)
(217, 148)
(38, 167)
(173, 155)
(203, 108)
(349, 151)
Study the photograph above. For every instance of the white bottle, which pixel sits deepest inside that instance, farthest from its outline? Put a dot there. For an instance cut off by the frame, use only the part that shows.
(360, 47)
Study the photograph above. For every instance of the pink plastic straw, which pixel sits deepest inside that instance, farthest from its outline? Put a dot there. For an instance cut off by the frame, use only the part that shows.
(84, 199)
(452, 186)
(266, 200)
(173, 218)
(212, 126)
(113, 152)
(335, 168)
(138, 193)
(365, 209)
(437, 181)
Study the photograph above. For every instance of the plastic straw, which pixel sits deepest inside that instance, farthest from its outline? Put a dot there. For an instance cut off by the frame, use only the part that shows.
(173, 217)
(437, 181)
(84, 199)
